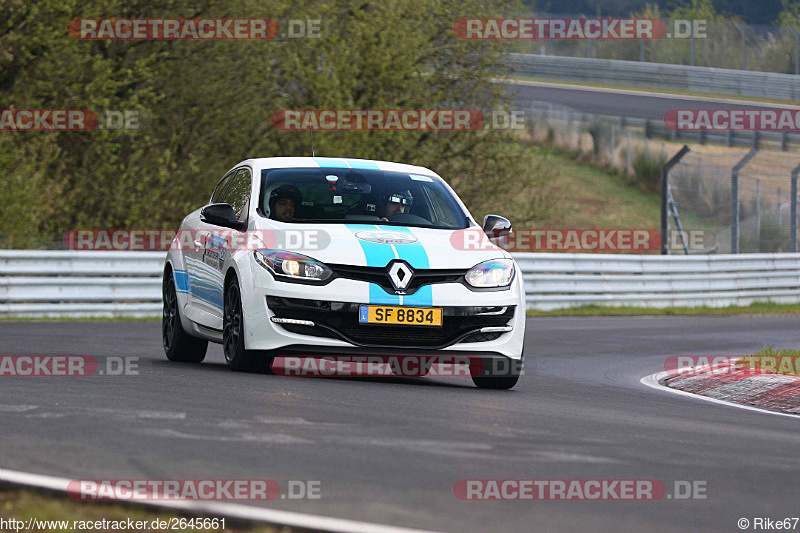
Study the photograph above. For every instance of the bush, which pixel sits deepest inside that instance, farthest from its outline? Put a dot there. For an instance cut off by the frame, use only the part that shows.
(211, 103)
(647, 170)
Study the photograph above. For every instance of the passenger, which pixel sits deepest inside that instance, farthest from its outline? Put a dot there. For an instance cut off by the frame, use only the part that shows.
(396, 204)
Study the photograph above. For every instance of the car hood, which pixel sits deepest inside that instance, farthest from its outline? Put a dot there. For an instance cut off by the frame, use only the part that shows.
(375, 245)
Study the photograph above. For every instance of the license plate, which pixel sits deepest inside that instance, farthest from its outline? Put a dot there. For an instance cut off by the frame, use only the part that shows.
(403, 316)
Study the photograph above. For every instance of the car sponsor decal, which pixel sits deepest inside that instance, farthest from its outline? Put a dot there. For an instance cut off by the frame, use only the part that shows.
(205, 282)
(386, 237)
(183, 285)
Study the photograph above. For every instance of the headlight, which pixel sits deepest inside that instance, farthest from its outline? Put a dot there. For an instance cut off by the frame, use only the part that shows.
(494, 273)
(294, 266)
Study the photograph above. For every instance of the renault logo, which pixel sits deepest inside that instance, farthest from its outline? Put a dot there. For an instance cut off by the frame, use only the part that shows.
(400, 275)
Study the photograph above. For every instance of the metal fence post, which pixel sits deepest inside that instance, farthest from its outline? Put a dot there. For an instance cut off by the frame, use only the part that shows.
(796, 50)
(793, 221)
(758, 212)
(744, 46)
(629, 163)
(735, 199)
(664, 187)
(692, 49)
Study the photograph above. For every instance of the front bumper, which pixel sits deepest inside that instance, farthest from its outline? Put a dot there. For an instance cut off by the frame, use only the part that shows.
(334, 311)
(339, 320)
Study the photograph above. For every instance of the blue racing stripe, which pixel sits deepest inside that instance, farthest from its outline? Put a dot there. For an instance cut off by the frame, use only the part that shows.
(413, 253)
(416, 256)
(207, 292)
(360, 163)
(377, 255)
(181, 280)
(379, 296)
(331, 162)
(423, 297)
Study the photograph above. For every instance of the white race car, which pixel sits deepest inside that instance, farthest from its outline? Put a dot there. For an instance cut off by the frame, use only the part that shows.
(331, 258)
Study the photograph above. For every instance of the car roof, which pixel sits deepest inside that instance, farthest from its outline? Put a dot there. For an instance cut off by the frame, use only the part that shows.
(335, 162)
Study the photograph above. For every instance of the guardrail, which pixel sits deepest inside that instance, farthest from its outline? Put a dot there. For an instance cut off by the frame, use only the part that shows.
(554, 281)
(80, 284)
(658, 75)
(784, 141)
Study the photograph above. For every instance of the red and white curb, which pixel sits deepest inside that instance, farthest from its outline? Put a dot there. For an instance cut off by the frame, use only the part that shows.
(742, 387)
(234, 511)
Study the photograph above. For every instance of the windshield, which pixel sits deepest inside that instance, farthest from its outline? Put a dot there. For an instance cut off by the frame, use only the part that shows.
(347, 196)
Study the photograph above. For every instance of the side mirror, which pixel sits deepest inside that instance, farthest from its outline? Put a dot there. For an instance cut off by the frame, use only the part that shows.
(221, 215)
(496, 226)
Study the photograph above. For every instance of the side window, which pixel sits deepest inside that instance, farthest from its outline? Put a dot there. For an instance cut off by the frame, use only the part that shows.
(215, 198)
(238, 193)
(440, 209)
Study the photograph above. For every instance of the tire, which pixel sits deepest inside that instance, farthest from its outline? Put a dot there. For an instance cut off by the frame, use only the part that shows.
(486, 376)
(178, 345)
(233, 331)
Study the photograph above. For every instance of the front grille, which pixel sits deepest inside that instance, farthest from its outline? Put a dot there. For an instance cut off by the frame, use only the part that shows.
(340, 320)
(378, 275)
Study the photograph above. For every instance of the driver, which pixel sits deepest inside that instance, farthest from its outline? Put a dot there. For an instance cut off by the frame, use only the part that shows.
(396, 204)
(283, 202)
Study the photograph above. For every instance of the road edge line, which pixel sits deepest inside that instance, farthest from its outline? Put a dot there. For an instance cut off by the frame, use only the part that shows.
(233, 511)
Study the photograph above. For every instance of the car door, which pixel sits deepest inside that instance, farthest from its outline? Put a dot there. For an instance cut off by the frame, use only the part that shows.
(218, 240)
(202, 300)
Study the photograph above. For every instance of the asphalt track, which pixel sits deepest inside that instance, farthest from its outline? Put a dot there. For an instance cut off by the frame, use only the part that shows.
(615, 102)
(389, 450)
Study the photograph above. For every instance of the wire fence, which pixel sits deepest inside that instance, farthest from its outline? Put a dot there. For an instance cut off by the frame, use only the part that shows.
(745, 201)
(731, 199)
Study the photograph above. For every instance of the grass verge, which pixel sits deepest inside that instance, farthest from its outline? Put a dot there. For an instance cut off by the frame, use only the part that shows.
(591, 197)
(758, 308)
(24, 505)
(771, 360)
